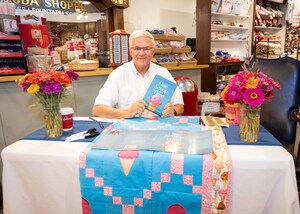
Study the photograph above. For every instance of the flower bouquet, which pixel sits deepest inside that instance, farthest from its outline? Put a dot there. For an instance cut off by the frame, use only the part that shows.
(49, 87)
(250, 88)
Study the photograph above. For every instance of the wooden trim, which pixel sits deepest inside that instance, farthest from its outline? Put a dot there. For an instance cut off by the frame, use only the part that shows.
(203, 27)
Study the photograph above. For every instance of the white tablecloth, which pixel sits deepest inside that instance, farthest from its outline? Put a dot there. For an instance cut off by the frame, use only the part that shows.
(41, 177)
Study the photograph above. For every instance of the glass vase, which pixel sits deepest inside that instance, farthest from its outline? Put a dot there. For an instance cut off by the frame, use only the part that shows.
(53, 120)
(249, 123)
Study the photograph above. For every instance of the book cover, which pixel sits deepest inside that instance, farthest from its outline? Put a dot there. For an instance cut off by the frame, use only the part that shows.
(159, 94)
(180, 141)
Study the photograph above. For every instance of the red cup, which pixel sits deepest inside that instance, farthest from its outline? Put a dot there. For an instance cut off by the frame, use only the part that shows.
(67, 118)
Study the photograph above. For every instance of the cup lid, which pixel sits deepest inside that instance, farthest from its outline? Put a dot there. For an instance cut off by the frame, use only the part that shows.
(66, 110)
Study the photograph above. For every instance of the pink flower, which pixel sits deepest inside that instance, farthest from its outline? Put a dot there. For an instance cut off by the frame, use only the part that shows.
(234, 93)
(254, 97)
(265, 84)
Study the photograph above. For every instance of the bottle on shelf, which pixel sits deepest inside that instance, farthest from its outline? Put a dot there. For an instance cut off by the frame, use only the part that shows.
(55, 57)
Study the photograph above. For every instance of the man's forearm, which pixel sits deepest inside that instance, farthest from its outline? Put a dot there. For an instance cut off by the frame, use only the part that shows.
(108, 112)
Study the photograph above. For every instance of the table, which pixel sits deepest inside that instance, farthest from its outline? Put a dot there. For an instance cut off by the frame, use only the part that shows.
(263, 178)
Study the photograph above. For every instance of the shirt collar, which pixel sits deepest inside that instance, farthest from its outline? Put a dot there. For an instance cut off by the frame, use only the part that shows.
(136, 71)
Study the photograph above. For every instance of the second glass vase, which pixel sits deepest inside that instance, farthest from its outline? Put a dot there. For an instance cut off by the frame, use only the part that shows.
(249, 123)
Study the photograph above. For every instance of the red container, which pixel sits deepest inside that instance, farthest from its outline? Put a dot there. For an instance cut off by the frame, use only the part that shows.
(190, 95)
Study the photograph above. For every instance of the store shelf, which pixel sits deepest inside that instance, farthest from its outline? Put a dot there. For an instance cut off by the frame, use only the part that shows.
(267, 28)
(171, 56)
(229, 15)
(229, 40)
(270, 40)
(12, 60)
(4, 36)
(224, 27)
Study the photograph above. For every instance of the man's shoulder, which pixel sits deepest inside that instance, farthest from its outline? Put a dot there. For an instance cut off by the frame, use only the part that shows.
(122, 68)
(158, 68)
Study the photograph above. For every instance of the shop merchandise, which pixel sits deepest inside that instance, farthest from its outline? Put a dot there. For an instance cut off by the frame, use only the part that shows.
(55, 56)
(8, 22)
(237, 7)
(215, 4)
(226, 6)
(91, 48)
(246, 7)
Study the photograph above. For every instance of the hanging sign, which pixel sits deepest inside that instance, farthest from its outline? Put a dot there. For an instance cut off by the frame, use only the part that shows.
(53, 7)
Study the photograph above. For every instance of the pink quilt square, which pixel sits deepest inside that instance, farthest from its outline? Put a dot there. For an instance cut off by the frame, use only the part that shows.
(138, 202)
(99, 182)
(108, 191)
(147, 194)
(155, 186)
(128, 209)
(165, 177)
(117, 200)
(89, 172)
(188, 180)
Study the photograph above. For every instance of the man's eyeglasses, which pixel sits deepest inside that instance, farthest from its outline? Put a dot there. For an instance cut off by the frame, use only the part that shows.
(138, 49)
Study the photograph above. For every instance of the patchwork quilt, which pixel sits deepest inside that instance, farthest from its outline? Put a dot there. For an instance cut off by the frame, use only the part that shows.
(142, 181)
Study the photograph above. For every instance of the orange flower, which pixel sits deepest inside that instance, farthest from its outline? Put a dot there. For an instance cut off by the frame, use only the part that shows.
(252, 82)
(62, 78)
(34, 78)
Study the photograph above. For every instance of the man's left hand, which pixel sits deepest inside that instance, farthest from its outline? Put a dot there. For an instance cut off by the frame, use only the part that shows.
(168, 110)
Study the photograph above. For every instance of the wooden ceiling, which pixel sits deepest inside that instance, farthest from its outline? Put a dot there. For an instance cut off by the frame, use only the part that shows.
(102, 5)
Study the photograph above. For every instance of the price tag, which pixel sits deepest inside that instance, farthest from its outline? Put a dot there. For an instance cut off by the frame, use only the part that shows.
(209, 107)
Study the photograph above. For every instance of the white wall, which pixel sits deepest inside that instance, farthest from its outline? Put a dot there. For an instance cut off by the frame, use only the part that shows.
(160, 14)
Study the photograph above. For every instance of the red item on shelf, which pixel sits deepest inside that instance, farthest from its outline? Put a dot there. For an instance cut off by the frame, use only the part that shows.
(231, 60)
(34, 36)
(10, 71)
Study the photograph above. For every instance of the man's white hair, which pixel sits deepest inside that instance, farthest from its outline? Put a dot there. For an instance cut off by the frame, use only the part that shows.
(140, 33)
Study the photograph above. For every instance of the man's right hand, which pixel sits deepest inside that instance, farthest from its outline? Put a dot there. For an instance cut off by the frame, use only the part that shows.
(136, 108)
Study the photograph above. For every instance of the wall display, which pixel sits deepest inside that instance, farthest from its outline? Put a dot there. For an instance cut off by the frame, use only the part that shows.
(170, 49)
(269, 29)
(119, 47)
(231, 31)
(12, 60)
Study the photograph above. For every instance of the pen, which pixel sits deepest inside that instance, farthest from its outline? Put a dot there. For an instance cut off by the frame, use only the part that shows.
(100, 124)
(202, 122)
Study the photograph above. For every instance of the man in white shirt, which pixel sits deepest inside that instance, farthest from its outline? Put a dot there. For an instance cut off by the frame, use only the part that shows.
(122, 94)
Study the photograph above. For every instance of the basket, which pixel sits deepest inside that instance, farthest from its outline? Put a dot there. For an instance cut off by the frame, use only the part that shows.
(163, 50)
(185, 49)
(192, 61)
(175, 37)
(172, 64)
(159, 36)
(84, 65)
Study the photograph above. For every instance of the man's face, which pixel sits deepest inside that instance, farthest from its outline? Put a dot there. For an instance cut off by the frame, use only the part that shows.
(142, 51)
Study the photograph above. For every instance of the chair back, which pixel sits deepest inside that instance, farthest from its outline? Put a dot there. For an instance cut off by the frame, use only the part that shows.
(276, 115)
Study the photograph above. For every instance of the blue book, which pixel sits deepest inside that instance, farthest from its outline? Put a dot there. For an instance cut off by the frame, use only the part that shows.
(159, 94)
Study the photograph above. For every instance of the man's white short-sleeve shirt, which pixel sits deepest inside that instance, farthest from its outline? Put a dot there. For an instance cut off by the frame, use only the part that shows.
(126, 85)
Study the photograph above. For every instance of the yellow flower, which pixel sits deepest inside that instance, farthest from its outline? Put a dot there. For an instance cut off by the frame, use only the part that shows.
(33, 89)
(252, 82)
